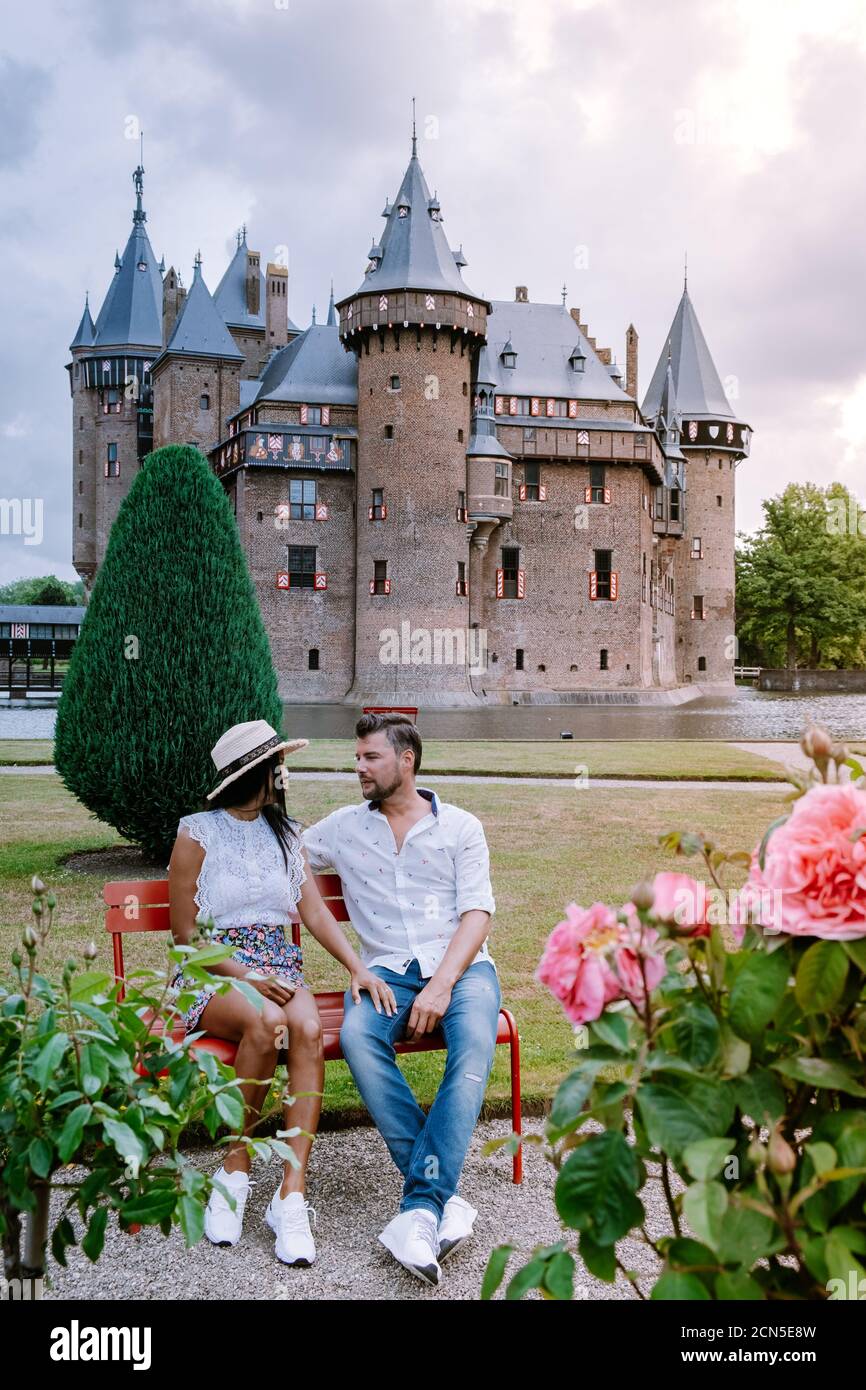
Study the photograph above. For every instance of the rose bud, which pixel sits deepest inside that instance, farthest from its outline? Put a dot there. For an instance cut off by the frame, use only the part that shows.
(643, 895)
(816, 743)
(36, 884)
(91, 951)
(30, 939)
(781, 1158)
(757, 1153)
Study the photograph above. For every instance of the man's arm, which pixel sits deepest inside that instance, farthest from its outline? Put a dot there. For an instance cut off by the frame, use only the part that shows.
(319, 842)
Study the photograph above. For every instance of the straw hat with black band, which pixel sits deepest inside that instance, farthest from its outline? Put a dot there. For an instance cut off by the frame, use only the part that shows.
(244, 745)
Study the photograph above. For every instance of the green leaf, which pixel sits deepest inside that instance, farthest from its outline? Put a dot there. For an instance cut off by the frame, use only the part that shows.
(150, 1208)
(856, 951)
(736, 1053)
(125, 1140)
(559, 1276)
(596, 1186)
(707, 1157)
(704, 1207)
(747, 1235)
(821, 977)
(70, 1134)
(62, 1237)
(760, 1095)
(738, 1286)
(49, 1058)
(94, 1238)
(823, 1157)
(697, 1035)
(531, 1276)
(678, 1111)
(612, 1029)
(495, 1271)
(570, 1099)
(600, 1260)
(757, 992)
(676, 1287)
(841, 1263)
(230, 1108)
(39, 1156)
(89, 983)
(822, 1074)
(191, 1215)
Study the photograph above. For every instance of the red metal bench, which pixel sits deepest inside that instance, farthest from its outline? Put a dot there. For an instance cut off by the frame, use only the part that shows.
(143, 906)
(411, 710)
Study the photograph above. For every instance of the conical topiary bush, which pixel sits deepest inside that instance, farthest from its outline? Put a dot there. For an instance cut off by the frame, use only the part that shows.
(172, 652)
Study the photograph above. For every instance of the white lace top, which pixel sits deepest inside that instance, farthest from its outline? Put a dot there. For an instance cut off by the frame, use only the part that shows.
(243, 879)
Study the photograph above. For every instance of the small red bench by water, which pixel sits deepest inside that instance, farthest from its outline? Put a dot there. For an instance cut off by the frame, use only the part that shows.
(143, 906)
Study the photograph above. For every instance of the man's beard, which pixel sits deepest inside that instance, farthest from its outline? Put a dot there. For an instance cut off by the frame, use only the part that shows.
(381, 792)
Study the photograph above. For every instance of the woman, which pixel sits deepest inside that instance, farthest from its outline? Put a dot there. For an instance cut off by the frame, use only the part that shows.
(242, 865)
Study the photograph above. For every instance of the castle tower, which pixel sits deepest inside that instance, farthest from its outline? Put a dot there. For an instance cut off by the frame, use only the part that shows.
(416, 330)
(686, 399)
(109, 378)
(196, 378)
(254, 307)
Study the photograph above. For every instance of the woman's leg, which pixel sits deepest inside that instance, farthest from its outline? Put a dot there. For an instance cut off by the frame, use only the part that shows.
(257, 1033)
(306, 1073)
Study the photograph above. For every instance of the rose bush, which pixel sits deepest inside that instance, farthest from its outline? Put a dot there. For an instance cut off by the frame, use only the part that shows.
(725, 1024)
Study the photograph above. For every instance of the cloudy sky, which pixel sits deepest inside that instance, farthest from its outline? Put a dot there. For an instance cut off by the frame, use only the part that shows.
(589, 142)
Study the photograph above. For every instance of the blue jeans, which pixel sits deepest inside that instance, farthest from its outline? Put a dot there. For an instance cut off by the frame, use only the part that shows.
(428, 1149)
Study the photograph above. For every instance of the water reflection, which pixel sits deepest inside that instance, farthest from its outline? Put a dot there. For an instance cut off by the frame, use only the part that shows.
(746, 714)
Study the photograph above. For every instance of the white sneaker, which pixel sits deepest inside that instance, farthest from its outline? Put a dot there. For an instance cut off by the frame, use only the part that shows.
(289, 1218)
(413, 1239)
(222, 1225)
(456, 1225)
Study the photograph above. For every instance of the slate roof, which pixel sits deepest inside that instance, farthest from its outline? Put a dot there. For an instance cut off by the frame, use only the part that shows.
(544, 337)
(313, 367)
(131, 313)
(41, 613)
(699, 391)
(230, 295)
(84, 332)
(414, 249)
(199, 329)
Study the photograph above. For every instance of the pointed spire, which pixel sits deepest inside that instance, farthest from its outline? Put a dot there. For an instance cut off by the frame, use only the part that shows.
(84, 333)
(131, 313)
(139, 215)
(685, 271)
(200, 330)
(161, 266)
(117, 261)
(314, 315)
(332, 312)
(564, 293)
(414, 136)
(696, 382)
(230, 295)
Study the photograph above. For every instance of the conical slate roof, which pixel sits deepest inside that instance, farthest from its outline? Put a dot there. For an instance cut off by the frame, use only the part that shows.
(131, 313)
(230, 295)
(414, 249)
(699, 391)
(199, 329)
(84, 333)
(313, 367)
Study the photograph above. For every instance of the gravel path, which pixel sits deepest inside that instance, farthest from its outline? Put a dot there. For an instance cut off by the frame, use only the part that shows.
(355, 1189)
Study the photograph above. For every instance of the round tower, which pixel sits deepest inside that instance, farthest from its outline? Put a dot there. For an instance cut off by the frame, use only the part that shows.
(416, 330)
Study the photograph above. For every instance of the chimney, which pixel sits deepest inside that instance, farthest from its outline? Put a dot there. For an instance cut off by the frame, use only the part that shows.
(521, 294)
(631, 361)
(276, 305)
(253, 282)
(173, 295)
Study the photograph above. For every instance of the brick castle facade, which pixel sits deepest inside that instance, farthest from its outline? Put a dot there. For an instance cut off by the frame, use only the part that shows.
(442, 499)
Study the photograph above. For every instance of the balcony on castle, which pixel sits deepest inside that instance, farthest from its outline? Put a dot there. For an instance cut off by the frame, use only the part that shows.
(287, 446)
(489, 479)
(669, 512)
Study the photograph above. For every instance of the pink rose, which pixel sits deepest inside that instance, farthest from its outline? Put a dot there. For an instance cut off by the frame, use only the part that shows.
(574, 966)
(813, 882)
(628, 965)
(680, 899)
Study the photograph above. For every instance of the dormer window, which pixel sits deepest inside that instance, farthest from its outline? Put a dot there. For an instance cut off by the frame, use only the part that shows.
(403, 208)
(577, 360)
(508, 357)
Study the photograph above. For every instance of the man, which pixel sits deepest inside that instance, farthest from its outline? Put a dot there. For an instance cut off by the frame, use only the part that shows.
(416, 880)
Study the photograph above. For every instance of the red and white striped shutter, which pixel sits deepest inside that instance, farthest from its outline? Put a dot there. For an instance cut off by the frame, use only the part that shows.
(305, 414)
(534, 405)
(512, 406)
(572, 410)
(500, 583)
(500, 404)
(326, 415)
(106, 468)
(384, 510)
(542, 492)
(369, 513)
(593, 584)
(614, 584)
(322, 512)
(372, 586)
(282, 579)
(587, 494)
(551, 406)
(20, 629)
(607, 494)
(320, 581)
(521, 492)
(387, 586)
(521, 583)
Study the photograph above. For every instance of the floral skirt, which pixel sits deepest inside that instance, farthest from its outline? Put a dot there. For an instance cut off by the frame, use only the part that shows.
(265, 949)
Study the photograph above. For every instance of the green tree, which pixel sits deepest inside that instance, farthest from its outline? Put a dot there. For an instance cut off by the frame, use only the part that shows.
(801, 581)
(172, 652)
(46, 589)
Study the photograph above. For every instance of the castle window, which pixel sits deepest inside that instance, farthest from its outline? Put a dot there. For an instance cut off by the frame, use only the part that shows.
(80, 519)
(395, 383)
(462, 584)
(260, 516)
(531, 475)
(659, 509)
(204, 402)
(112, 463)
(500, 485)
(518, 659)
(80, 457)
(377, 510)
(302, 499)
(698, 606)
(462, 513)
(380, 583)
(466, 388)
(81, 422)
(459, 436)
(301, 566)
(602, 663)
(80, 485)
(509, 578)
(112, 401)
(697, 548)
(718, 499)
(313, 659)
(603, 574)
(702, 663)
(643, 580)
(675, 504)
(311, 415)
(389, 431)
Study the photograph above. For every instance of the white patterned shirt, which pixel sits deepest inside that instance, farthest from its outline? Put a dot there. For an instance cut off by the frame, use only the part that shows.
(406, 904)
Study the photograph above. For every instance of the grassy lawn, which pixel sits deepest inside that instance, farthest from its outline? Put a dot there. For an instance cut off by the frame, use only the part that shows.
(549, 846)
(650, 758)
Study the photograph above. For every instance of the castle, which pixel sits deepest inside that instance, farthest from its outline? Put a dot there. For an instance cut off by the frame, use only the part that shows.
(442, 499)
